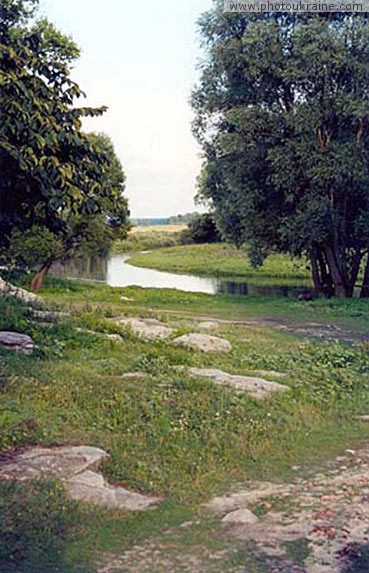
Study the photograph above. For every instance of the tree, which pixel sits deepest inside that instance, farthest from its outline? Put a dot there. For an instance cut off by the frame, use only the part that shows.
(203, 229)
(52, 175)
(282, 115)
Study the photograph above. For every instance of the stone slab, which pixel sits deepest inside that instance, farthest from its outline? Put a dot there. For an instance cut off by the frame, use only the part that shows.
(16, 341)
(146, 328)
(76, 467)
(256, 387)
(204, 342)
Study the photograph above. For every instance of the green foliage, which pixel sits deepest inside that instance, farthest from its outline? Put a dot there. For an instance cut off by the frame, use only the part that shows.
(32, 247)
(52, 175)
(36, 520)
(203, 229)
(282, 112)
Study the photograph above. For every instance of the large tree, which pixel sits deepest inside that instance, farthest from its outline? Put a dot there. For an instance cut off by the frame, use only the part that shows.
(52, 175)
(282, 114)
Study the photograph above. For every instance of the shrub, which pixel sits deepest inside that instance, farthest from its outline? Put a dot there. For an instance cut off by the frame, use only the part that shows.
(204, 230)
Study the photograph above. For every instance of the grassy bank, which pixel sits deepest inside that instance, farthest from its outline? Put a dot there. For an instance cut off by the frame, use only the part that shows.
(169, 434)
(223, 260)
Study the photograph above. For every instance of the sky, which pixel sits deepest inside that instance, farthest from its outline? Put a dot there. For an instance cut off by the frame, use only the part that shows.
(140, 58)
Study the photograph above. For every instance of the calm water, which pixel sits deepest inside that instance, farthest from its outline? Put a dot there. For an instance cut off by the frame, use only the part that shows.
(116, 271)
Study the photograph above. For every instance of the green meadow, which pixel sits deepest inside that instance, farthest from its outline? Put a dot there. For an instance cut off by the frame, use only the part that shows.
(169, 434)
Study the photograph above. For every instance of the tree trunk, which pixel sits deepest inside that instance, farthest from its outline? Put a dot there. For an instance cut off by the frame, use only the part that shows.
(326, 278)
(339, 274)
(365, 288)
(356, 263)
(37, 281)
(318, 286)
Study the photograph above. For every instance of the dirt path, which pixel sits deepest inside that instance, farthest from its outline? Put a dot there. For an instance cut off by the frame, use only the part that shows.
(311, 525)
(317, 330)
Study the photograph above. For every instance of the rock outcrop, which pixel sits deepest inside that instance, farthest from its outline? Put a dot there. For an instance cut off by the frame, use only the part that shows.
(204, 342)
(16, 341)
(76, 467)
(146, 328)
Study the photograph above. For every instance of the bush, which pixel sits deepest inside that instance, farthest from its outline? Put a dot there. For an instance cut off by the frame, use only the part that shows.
(36, 519)
(204, 230)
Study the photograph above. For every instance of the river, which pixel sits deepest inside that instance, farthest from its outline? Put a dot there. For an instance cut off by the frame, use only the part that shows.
(116, 271)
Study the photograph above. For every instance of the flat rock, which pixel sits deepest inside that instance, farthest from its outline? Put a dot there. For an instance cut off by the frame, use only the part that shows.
(16, 341)
(47, 316)
(241, 516)
(62, 463)
(19, 293)
(209, 325)
(255, 387)
(147, 328)
(76, 467)
(271, 373)
(133, 375)
(91, 487)
(204, 342)
(112, 337)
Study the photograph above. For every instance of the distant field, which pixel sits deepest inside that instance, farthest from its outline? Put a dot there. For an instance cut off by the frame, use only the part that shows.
(145, 238)
(143, 229)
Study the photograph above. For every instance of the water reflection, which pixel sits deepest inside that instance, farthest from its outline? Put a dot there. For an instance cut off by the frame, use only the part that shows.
(116, 271)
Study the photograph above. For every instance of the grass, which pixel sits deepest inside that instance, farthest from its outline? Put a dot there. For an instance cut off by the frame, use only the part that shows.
(223, 260)
(156, 237)
(170, 434)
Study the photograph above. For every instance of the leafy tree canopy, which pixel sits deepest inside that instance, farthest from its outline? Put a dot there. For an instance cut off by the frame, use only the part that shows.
(52, 175)
(282, 115)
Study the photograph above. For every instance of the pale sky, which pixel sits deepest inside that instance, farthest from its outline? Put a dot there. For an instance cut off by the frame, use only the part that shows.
(139, 58)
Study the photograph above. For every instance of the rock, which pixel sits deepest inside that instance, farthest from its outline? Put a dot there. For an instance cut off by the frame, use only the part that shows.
(255, 387)
(126, 299)
(147, 328)
(133, 375)
(241, 516)
(364, 418)
(204, 342)
(46, 316)
(91, 487)
(19, 293)
(209, 325)
(16, 341)
(62, 463)
(76, 467)
(271, 373)
(112, 337)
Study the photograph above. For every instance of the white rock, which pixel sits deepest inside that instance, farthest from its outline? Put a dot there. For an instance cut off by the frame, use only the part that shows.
(204, 342)
(209, 325)
(91, 487)
(133, 375)
(76, 467)
(241, 516)
(19, 293)
(147, 328)
(255, 387)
